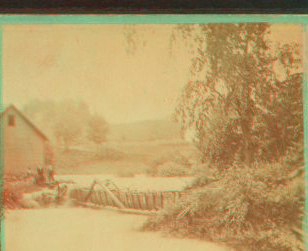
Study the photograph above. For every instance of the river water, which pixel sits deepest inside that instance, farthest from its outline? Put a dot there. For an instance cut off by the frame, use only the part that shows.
(139, 182)
(84, 229)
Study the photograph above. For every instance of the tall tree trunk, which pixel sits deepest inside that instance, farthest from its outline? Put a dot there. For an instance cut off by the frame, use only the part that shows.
(247, 143)
(247, 113)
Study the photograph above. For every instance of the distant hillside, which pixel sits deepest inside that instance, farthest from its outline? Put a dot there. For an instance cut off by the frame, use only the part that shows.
(145, 130)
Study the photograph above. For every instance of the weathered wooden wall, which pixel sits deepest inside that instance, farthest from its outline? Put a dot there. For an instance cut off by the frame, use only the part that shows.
(23, 146)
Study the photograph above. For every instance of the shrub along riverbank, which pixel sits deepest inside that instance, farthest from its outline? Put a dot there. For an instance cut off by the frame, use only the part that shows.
(257, 208)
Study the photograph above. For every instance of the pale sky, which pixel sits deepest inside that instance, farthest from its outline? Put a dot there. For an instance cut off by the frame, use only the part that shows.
(90, 62)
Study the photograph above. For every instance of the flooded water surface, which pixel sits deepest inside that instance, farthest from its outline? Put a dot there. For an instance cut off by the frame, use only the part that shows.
(80, 229)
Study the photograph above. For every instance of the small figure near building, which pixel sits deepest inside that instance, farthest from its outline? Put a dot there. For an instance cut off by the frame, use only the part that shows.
(40, 177)
(50, 174)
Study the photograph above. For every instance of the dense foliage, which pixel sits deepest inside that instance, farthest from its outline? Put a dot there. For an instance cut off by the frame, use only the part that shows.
(255, 208)
(170, 165)
(235, 101)
(244, 101)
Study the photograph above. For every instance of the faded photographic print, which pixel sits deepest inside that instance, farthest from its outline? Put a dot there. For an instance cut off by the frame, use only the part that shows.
(162, 137)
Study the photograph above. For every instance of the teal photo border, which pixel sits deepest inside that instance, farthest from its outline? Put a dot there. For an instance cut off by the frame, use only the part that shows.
(160, 19)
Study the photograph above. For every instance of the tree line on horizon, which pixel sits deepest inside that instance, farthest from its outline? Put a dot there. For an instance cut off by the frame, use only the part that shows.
(67, 121)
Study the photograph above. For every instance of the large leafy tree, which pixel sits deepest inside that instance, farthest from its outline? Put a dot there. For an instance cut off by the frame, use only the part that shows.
(238, 107)
(70, 121)
(282, 130)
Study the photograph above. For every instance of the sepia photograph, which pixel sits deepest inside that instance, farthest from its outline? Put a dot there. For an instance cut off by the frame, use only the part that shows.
(162, 137)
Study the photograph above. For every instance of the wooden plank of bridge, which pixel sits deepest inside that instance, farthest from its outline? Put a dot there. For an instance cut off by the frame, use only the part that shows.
(135, 201)
(155, 195)
(130, 199)
(117, 195)
(138, 203)
(161, 200)
(169, 197)
(78, 194)
(104, 197)
(90, 191)
(152, 198)
(139, 195)
(146, 206)
(114, 198)
(95, 198)
(81, 194)
(125, 199)
(165, 197)
(99, 197)
(149, 200)
(109, 200)
(91, 197)
(122, 197)
(158, 200)
(142, 201)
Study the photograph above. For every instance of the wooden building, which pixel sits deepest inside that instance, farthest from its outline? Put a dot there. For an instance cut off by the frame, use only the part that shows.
(23, 145)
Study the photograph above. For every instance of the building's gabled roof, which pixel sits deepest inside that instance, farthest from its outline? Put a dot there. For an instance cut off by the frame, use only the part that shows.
(5, 108)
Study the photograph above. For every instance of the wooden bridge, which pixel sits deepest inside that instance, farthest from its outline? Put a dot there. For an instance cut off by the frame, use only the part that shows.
(106, 193)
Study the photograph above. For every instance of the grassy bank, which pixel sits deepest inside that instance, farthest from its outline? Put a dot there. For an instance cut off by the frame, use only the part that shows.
(260, 208)
(119, 158)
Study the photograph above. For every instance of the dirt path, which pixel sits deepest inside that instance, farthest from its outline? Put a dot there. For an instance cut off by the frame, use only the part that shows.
(81, 229)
